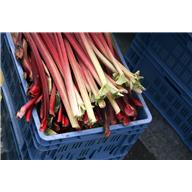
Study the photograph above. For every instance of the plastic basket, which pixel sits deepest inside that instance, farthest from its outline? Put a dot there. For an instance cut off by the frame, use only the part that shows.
(173, 52)
(86, 144)
(13, 143)
(172, 102)
(20, 149)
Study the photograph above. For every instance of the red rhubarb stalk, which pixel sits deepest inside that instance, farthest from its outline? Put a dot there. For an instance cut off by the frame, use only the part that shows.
(82, 55)
(28, 115)
(121, 79)
(25, 61)
(100, 46)
(41, 72)
(109, 42)
(57, 78)
(80, 83)
(68, 77)
(65, 121)
(52, 101)
(26, 107)
(136, 102)
(43, 125)
(128, 109)
(107, 131)
(93, 59)
(60, 114)
(50, 46)
(120, 116)
(126, 121)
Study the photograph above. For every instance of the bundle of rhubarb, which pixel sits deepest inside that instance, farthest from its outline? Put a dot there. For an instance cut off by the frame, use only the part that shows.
(76, 81)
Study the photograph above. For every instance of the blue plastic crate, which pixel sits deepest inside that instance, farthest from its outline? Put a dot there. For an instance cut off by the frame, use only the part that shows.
(15, 148)
(20, 149)
(173, 51)
(173, 103)
(86, 144)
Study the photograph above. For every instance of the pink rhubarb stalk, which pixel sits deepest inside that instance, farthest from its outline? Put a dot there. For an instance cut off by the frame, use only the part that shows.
(57, 79)
(82, 55)
(80, 83)
(52, 101)
(109, 42)
(68, 77)
(41, 72)
(26, 107)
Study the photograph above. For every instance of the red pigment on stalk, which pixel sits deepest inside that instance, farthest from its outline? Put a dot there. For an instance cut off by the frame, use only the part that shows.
(43, 126)
(65, 121)
(85, 118)
(59, 51)
(112, 117)
(33, 63)
(27, 68)
(68, 76)
(33, 90)
(28, 115)
(109, 42)
(136, 102)
(50, 46)
(82, 55)
(128, 109)
(26, 107)
(77, 36)
(51, 37)
(25, 61)
(102, 40)
(56, 77)
(41, 111)
(120, 116)
(107, 131)
(78, 76)
(99, 45)
(41, 73)
(60, 114)
(126, 121)
(52, 101)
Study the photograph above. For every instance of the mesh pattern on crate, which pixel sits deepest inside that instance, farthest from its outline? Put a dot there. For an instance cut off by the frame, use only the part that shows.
(8, 138)
(173, 52)
(15, 150)
(99, 148)
(163, 95)
(11, 76)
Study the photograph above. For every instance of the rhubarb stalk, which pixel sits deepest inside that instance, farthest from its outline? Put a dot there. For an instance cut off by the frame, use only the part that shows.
(80, 83)
(57, 78)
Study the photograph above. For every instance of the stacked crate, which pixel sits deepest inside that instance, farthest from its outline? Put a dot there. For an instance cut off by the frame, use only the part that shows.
(165, 60)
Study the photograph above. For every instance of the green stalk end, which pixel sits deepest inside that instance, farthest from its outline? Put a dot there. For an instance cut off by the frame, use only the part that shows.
(120, 79)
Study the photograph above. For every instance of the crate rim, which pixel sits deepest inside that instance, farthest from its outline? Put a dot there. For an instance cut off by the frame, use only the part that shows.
(77, 134)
